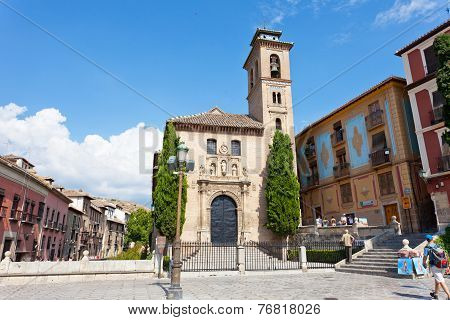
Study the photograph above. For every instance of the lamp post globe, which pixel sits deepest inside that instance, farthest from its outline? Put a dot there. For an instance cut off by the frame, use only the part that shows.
(182, 151)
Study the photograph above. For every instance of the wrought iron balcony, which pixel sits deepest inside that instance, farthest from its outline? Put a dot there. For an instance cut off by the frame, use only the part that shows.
(337, 137)
(444, 163)
(27, 218)
(374, 119)
(436, 115)
(380, 157)
(3, 211)
(341, 170)
(312, 180)
(310, 151)
(15, 215)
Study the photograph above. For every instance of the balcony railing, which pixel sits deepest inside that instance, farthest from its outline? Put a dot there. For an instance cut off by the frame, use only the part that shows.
(341, 170)
(312, 181)
(380, 157)
(27, 218)
(337, 137)
(64, 228)
(54, 225)
(3, 211)
(444, 163)
(374, 119)
(60, 226)
(437, 115)
(310, 151)
(15, 215)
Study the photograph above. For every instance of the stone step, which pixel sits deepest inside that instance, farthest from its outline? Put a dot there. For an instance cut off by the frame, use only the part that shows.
(369, 272)
(383, 260)
(363, 263)
(377, 254)
(371, 268)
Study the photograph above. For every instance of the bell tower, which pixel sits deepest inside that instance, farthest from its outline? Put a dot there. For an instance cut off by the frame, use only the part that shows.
(269, 82)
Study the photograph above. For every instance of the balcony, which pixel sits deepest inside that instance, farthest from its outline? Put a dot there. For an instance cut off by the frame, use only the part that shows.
(380, 157)
(64, 228)
(374, 119)
(437, 115)
(341, 170)
(60, 226)
(444, 163)
(3, 211)
(337, 137)
(55, 225)
(47, 224)
(15, 215)
(310, 151)
(27, 218)
(312, 181)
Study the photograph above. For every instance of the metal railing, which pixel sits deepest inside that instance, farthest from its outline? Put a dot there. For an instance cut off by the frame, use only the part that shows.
(341, 170)
(54, 225)
(337, 137)
(374, 119)
(310, 151)
(380, 157)
(261, 256)
(312, 180)
(436, 115)
(444, 163)
(205, 256)
(15, 215)
(324, 254)
(27, 218)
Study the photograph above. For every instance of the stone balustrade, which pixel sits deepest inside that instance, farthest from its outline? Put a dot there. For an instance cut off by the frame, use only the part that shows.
(9, 268)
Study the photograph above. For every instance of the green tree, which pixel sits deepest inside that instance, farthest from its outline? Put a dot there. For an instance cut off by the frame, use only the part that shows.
(139, 227)
(282, 188)
(442, 49)
(165, 197)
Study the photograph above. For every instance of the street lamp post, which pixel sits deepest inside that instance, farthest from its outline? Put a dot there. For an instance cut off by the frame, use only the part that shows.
(175, 292)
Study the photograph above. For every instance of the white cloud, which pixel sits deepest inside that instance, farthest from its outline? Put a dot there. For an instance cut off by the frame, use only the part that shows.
(104, 167)
(404, 10)
(274, 12)
(342, 38)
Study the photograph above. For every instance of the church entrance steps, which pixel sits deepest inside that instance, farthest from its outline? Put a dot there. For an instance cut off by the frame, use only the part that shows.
(382, 260)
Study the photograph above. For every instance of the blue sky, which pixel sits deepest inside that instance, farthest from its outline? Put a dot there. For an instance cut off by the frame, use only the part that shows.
(187, 56)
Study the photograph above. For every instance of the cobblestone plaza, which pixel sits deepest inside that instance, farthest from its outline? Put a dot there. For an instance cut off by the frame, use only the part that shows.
(307, 286)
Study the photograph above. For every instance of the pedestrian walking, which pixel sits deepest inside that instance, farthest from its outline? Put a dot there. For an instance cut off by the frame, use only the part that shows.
(438, 261)
(348, 240)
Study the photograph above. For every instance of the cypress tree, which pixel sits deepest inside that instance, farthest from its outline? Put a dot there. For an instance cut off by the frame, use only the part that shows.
(282, 188)
(441, 47)
(165, 197)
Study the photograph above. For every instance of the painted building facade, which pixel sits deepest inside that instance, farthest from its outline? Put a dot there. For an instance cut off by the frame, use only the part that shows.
(226, 201)
(427, 103)
(73, 234)
(361, 160)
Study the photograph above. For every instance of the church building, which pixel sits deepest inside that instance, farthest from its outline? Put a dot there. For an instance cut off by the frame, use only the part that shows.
(225, 196)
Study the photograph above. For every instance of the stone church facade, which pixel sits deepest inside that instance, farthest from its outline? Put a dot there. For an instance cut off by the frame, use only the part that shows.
(226, 201)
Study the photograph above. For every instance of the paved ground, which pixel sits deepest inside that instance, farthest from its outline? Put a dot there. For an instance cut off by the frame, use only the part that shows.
(298, 286)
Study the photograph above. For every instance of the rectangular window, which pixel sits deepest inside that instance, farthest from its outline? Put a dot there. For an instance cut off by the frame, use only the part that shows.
(235, 148)
(211, 146)
(346, 193)
(379, 141)
(386, 183)
(33, 205)
(431, 59)
(2, 196)
(41, 210)
(438, 100)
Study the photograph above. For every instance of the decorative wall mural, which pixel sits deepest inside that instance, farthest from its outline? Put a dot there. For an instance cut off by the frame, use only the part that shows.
(303, 162)
(358, 143)
(325, 155)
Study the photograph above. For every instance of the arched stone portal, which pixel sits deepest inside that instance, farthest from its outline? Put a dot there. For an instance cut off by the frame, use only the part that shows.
(223, 220)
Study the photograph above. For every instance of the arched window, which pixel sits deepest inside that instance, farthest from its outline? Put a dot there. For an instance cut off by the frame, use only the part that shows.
(278, 124)
(279, 98)
(251, 78)
(211, 146)
(275, 68)
(274, 97)
(235, 148)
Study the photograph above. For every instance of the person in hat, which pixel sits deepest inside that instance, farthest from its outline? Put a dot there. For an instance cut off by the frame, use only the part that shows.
(348, 240)
(429, 253)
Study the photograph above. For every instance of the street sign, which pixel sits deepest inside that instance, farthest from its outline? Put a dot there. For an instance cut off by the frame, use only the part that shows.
(406, 201)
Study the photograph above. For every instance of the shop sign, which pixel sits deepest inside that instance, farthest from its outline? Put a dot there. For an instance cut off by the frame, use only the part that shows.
(367, 203)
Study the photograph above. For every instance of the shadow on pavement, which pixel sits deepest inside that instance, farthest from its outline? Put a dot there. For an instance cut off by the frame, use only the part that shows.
(412, 296)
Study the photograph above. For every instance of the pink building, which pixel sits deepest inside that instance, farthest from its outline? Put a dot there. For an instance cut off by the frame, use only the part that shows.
(427, 103)
(25, 200)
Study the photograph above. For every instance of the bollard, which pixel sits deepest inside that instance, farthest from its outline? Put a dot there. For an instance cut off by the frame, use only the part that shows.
(85, 256)
(303, 259)
(240, 251)
(4, 264)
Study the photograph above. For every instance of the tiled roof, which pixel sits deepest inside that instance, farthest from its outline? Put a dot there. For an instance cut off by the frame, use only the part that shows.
(359, 97)
(218, 118)
(76, 193)
(101, 203)
(424, 37)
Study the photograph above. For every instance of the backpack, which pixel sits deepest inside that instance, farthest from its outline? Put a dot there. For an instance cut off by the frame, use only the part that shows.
(438, 258)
